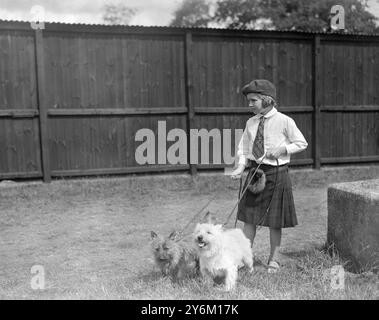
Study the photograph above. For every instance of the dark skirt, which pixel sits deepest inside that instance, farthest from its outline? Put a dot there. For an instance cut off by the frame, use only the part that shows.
(281, 214)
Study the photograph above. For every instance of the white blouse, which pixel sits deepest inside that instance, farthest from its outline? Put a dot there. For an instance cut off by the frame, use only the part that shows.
(279, 130)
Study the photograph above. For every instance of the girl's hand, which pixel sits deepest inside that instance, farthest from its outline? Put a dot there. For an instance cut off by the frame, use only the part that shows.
(236, 174)
(275, 153)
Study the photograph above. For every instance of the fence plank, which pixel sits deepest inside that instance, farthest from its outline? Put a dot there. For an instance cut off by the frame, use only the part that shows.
(363, 159)
(316, 100)
(245, 110)
(115, 112)
(355, 108)
(18, 113)
(189, 95)
(44, 138)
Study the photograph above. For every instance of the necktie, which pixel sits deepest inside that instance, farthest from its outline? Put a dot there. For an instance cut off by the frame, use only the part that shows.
(258, 146)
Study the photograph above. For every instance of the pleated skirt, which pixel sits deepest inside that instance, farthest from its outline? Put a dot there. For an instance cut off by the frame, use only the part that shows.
(274, 207)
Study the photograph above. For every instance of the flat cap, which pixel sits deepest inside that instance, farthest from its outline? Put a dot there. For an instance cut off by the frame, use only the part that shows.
(261, 86)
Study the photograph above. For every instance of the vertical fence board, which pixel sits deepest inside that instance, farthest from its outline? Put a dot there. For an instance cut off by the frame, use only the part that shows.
(316, 90)
(189, 95)
(42, 105)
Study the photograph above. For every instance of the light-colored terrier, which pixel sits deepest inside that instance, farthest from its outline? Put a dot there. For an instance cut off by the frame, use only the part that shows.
(222, 252)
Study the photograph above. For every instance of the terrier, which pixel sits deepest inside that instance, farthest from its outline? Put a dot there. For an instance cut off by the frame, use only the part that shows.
(222, 252)
(174, 259)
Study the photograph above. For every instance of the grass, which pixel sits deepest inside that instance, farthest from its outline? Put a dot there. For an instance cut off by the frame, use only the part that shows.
(92, 238)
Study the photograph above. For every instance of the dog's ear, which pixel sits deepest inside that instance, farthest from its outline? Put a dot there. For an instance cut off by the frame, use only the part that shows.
(173, 235)
(208, 217)
(153, 235)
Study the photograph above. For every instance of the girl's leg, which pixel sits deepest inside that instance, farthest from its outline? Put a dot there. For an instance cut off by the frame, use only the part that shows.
(275, 239)
(249, 231)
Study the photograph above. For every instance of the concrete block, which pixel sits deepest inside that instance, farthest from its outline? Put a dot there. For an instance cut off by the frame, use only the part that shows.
(353, 222)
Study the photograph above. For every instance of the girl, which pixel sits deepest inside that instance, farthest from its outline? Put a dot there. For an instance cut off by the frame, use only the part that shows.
(270, 137)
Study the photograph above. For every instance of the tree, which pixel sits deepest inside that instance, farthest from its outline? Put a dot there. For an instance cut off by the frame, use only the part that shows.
(312, 15)
(238, 14)
(299, 15)
(118, 14)
(192, 13)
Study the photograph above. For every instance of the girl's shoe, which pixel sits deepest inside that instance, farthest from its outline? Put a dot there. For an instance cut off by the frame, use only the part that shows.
(273, 267)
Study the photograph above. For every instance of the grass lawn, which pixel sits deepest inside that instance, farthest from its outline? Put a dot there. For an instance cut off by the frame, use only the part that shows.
(92, 238)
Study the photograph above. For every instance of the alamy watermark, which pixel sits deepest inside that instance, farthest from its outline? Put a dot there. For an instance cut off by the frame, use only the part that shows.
(335, 277)
(337, 22)
(37, 20)
(153, 150)
(37, 281)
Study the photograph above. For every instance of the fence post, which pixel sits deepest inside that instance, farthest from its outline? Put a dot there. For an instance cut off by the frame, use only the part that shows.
(42, 107)
(316, 101)
(188, 69)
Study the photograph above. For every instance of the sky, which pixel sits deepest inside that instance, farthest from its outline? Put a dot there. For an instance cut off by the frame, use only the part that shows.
(149, 12)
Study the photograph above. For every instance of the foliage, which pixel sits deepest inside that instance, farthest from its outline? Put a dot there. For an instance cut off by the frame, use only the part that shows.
(299, 15)
(118, 14)
(192, 13)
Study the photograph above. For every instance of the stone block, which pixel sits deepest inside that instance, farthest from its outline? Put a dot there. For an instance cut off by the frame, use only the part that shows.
(353, 223)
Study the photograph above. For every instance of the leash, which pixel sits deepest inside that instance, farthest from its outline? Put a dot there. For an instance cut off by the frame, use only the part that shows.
(272, 196)
(180, 233)
(246, 187)
(239, 193)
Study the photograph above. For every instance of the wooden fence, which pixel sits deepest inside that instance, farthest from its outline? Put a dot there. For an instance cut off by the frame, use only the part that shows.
(72, 97)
